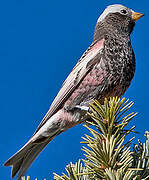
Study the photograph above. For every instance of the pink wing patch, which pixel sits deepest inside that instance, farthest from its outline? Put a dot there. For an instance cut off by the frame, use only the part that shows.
(98, 45)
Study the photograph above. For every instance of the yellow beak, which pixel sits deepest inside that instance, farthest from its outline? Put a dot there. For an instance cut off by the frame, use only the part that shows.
(136, 15)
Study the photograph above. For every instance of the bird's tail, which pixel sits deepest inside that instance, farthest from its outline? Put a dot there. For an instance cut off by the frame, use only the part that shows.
(21, 161)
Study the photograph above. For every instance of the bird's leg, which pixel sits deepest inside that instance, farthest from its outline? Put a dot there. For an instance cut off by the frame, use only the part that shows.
(82, 108)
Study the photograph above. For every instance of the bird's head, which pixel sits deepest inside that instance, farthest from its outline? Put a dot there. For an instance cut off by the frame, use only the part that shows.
(118, 18)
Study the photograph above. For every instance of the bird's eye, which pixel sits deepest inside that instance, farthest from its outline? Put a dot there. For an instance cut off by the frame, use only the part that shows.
(123, 11)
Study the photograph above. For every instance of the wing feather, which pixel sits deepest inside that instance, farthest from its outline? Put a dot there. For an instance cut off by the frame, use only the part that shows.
(74, 78)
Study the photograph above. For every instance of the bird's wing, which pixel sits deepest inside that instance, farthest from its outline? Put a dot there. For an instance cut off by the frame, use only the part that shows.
(78, 73)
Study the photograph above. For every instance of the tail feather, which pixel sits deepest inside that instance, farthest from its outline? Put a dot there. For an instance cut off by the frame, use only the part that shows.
(21, 161)
(30, 157)
(18, 155)
(16, 167)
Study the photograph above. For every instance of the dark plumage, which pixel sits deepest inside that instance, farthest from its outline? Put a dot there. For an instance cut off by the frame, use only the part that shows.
(104, 70)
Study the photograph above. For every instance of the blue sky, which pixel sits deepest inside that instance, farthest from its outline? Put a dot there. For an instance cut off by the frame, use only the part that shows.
(40, 42)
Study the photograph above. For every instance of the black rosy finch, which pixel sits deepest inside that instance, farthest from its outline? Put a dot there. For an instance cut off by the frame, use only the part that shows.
(105, 70)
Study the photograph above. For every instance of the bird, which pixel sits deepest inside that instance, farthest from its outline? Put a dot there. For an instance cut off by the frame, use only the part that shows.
(105, 70)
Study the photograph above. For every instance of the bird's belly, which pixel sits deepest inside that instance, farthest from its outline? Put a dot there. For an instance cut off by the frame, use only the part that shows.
(88, 89)
(98, 84)
(114, 91)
